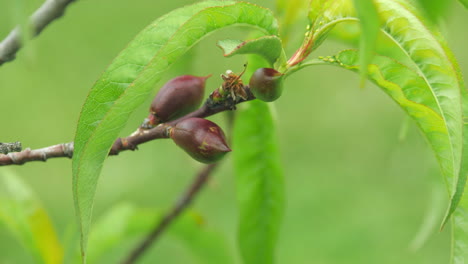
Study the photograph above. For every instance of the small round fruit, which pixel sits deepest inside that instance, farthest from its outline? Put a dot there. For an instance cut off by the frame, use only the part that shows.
(202, 139)
(266, 84)
(177, 98)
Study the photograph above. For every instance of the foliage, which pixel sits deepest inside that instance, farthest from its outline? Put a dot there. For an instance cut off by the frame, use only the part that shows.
(401, 50)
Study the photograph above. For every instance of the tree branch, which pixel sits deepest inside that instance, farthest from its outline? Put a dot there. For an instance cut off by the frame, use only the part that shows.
(127, 143)
(185, 200)
(43, 16)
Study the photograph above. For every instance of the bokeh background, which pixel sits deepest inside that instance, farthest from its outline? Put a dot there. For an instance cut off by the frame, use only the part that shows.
(360, 179)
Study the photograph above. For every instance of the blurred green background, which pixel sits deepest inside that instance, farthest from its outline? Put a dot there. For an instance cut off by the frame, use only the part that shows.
(358, 187)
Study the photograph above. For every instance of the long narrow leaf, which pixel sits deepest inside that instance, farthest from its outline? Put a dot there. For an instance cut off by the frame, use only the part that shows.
(432, 61)
(132, 75)
(460, 216)
(429, 57)
(23, 214)
(259, 178)
(269, 47)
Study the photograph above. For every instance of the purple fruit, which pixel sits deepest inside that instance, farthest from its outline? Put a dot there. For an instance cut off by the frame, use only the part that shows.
(266, 84)
(202, 139)
(177, 98)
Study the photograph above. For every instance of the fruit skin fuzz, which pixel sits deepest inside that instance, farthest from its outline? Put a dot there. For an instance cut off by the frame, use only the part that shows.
(202, 139)
(266, 84)
(177, 98)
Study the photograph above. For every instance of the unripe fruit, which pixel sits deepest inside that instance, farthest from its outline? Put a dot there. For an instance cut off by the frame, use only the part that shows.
(202, 139)
(177, 98)
(266, 84)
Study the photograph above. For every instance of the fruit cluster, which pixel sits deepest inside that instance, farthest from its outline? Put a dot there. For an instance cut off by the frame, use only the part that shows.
(202, 139)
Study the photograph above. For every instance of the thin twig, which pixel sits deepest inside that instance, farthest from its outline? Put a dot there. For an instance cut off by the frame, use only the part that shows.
(121, 144)
(183, 203)
(43, 16)
(185, 200)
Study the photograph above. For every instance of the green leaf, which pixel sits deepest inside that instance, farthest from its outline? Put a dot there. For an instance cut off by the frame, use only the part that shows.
(269, 47)
(427, 54)
(22, 213)
(323, 16)
(411, 91)
(433, 62)
(259, 180)
(434, 10)
(125, 222)
(370, 25)
(131, 76)
(460, 216)
(464, 3)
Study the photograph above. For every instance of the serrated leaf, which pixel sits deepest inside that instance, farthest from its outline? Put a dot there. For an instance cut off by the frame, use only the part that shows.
(459, 253)
(22, 213)
(269, 47)
(259, 180)
(125, 222)
(429, 57)
(432, 61)
(460, 217)
(131, 76)
(370, 28)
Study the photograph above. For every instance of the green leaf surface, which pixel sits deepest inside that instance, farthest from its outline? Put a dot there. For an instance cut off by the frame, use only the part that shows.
(259, 180)
(464, 3)
(132, 75)
(460, 216)
(434, 10)
(22, 213)
(428, 55)
(323, 16)
(433, 62)
(125, 222)
(370, 28)
(269, 47)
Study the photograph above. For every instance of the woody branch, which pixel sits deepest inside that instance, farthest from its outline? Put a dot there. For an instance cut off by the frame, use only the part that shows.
(41, 18)
(140, 136)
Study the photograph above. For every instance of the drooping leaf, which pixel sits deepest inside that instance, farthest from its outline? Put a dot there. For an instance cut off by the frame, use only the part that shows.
(22, 213)
(433, 62)
(132, 75)
(460, 216)
(260, 190)
(125, 222)
(370, 28)
(426, 53)
(269, 47)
